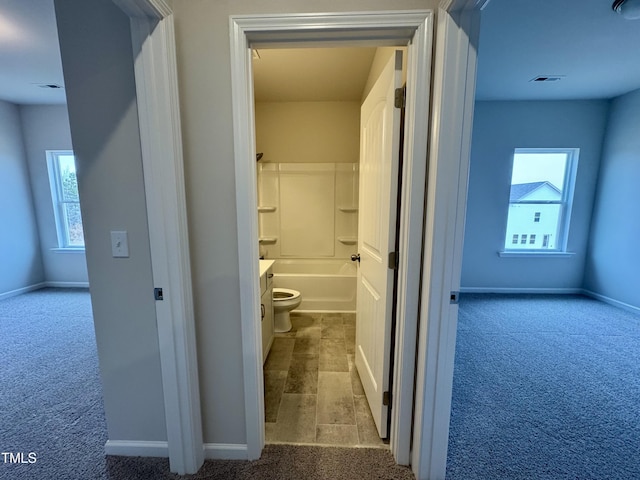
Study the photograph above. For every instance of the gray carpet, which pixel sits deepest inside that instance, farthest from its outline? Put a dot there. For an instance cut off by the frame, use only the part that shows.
(50, 393)
(278, 462)
(545, 387)
(51, 404)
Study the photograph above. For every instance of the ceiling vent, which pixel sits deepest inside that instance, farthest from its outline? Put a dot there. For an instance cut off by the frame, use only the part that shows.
(547, 78)
(52, 86)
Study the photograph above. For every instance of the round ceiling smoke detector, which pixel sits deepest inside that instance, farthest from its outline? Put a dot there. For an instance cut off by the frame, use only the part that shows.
(629, 9)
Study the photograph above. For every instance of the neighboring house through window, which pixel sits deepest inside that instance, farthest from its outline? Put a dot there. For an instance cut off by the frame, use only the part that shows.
(542, 185)
(66, 202)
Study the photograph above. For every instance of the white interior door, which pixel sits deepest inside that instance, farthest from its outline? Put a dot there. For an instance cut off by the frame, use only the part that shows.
(379, 155)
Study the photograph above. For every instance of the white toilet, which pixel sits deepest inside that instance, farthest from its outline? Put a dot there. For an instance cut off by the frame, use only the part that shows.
(284, 300)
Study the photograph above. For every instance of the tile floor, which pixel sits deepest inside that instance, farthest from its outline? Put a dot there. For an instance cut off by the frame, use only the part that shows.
(313, 393)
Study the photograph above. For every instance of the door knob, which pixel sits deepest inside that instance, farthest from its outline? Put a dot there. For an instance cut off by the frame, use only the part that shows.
(355, 257)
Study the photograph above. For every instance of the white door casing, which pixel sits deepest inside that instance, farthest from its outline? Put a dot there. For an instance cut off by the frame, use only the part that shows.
(379, 160)
(390, 28)
(153, 42)
(450, 142)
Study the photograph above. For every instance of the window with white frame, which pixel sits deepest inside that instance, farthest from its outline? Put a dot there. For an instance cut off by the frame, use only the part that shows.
(66, 202)
(542, 184)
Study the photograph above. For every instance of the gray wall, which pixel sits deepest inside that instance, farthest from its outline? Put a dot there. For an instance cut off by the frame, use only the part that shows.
(46, 127)
(20, 260)
(614, 257)
(97, 62)
(499, 128)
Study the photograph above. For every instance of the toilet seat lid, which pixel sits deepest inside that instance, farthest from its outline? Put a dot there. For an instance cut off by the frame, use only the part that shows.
(284, 294)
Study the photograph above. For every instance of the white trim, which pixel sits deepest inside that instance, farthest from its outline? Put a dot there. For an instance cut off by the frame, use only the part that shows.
(330, 29)
(470, 20)
(135, 448)
(460, 5)
(553, 291)
(57, 201)
(40, 286)
(532, 290)
(537, 253)
(225, 451)
(153, 42)
(166, 210)
(450, 136)
(20, 291)
(410, 237)
(566, 203)
(247, 221)
(611, 301)
(67, 284)
(68, 250)
(373, 28)
(324, 311)
(152, 9)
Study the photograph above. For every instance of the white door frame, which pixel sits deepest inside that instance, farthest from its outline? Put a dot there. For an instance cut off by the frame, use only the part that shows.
(161, 141)
(458, 23)
(364, 28)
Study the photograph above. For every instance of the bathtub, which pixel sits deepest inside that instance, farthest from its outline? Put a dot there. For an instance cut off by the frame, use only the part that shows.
(325, 284)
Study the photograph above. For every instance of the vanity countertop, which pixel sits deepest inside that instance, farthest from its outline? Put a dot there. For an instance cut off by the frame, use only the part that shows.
(265, 265)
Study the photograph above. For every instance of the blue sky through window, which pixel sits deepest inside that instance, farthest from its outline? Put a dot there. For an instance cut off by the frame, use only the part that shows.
(539, 167)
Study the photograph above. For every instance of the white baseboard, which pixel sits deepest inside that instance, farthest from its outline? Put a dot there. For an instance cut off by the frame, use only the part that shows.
(38, 286)
(134, 448)
(552, 291)
(322, 311)
(611, 301)
(67, 284)
(212, 451)
(20, 291)
(225, 451)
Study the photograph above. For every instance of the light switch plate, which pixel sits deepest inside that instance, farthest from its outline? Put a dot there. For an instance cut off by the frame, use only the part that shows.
(119, 244)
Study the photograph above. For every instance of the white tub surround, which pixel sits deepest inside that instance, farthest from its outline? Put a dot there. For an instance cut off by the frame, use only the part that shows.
(308, 210)
(307, 224)
(326, 285)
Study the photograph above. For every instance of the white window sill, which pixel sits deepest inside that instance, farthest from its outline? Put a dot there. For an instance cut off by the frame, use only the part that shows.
(535, 254)
(68, 250)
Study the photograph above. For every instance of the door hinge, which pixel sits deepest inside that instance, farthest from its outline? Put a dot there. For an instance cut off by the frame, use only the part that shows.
(400, 98)
(393, 260)
(157, 294)
(386, 399)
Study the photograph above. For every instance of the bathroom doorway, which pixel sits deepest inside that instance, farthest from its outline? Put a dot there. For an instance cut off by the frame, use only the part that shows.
(308, 132)
(413, 29)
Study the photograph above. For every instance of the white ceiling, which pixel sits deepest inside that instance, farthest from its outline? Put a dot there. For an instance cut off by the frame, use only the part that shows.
(594, 50)
(29, 52)
(311, 74)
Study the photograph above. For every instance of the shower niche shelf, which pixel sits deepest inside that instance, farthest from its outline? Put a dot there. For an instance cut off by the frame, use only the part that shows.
(266, 209)
(348, 209)
(348, 240)
(267, 240)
